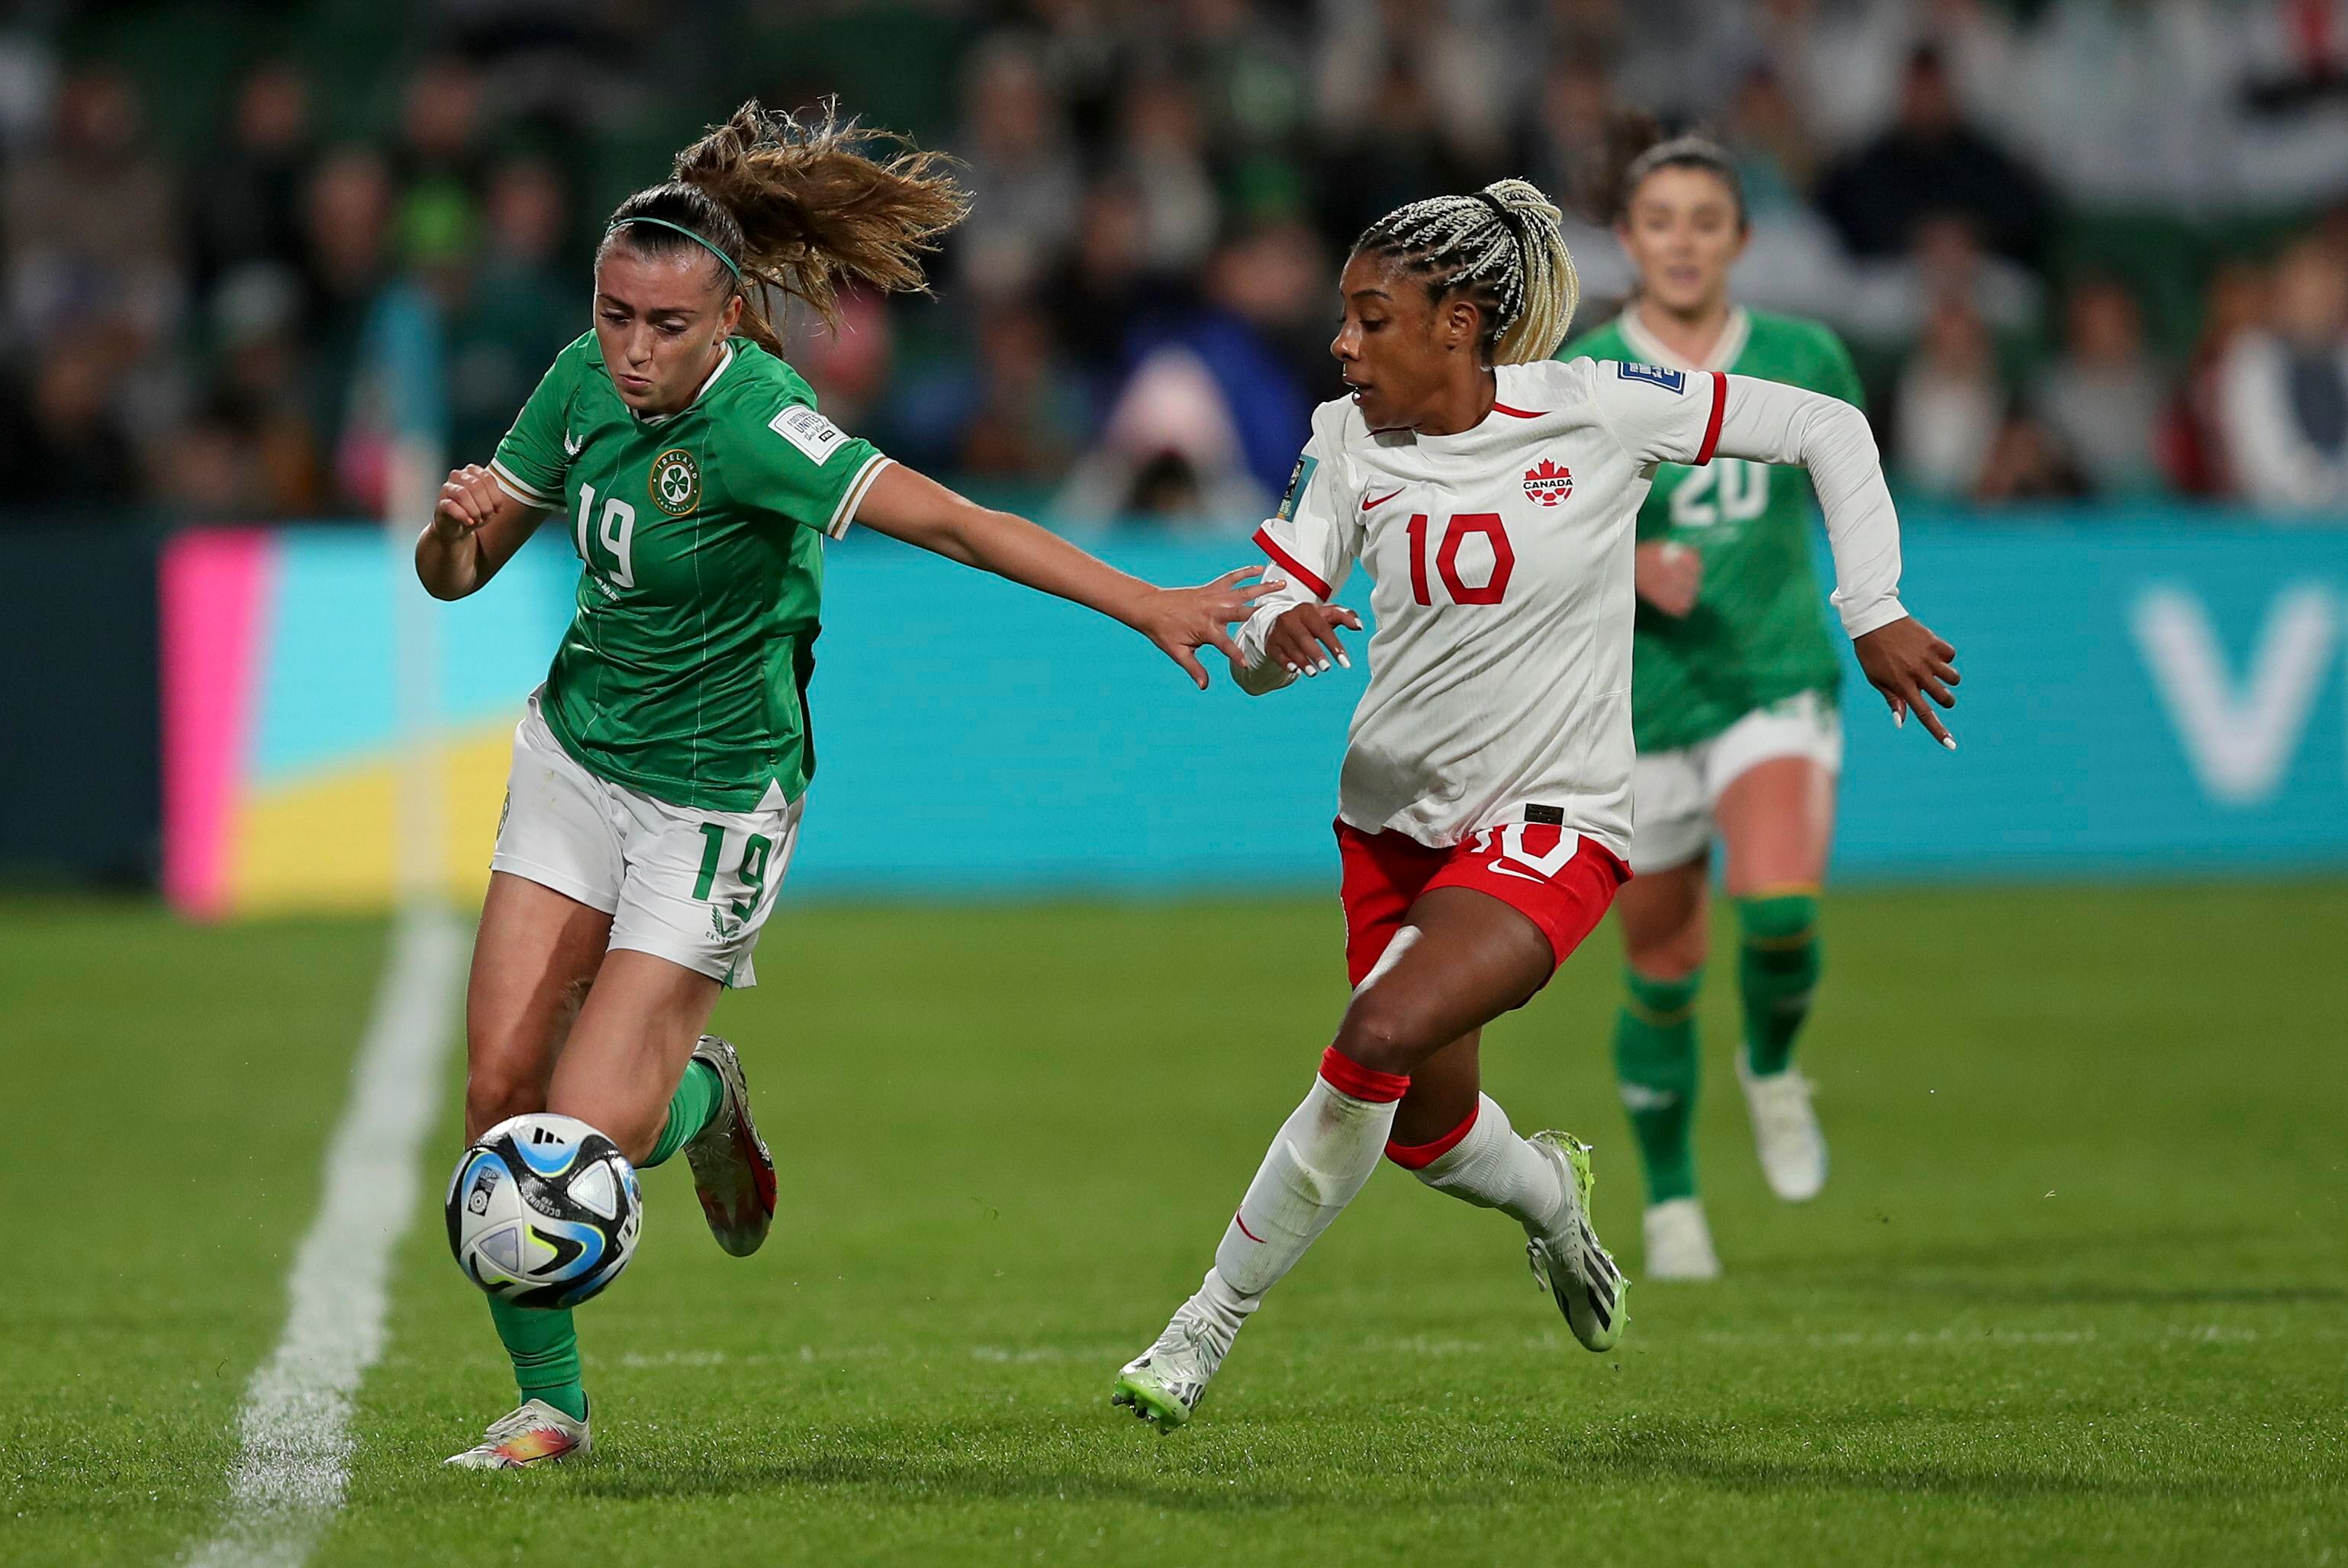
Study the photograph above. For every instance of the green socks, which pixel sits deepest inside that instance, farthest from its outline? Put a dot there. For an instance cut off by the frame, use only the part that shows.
(543, 1344)
(696, 1099)
(545, 1351)
(1656, 1059)
(1776, 970)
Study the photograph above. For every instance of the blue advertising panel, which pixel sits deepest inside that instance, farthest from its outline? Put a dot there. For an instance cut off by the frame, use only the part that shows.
(2141, 697)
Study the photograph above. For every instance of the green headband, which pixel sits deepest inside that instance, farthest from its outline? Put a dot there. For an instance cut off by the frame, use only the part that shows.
(722, 259)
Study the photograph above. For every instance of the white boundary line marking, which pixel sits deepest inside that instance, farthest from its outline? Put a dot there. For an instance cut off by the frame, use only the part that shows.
(289, 1477)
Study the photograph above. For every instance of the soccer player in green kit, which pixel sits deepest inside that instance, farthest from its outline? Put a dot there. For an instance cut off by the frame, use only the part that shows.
(1734, 685)
(659, 775)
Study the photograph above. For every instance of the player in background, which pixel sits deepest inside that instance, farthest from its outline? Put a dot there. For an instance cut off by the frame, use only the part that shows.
(1734, 680)
(659, 775)
(1490, 493)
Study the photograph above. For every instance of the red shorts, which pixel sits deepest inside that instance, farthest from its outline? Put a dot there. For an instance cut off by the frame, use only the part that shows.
(1558, 880)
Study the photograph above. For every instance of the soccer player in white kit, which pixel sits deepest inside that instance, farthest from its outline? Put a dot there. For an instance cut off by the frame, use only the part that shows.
(1485, 801)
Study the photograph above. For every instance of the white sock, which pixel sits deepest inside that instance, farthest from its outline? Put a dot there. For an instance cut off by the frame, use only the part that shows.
(1492, 1168)
(1325, 1151)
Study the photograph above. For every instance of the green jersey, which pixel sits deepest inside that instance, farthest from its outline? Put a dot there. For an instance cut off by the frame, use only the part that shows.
(1758, 632)
(684, 674)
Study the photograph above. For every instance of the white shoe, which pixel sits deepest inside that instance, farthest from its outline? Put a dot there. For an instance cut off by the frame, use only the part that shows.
(1567, 1258)
(1786, 1132)
(536, 1434)
(1165, 1383)
(1679, 1242)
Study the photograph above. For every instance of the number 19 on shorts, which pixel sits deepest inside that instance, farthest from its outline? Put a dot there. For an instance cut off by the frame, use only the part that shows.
(750, 870)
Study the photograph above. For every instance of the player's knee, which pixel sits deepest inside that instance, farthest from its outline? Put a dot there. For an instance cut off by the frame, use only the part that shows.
(493, 1093)
(1385, 1033)
(1676, 954)
(1781, 932)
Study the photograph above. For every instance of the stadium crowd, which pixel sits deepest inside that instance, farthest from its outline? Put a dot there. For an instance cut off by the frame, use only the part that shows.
(2081, 247)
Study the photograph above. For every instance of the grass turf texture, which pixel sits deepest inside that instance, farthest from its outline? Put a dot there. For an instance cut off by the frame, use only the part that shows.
(2073, 1292)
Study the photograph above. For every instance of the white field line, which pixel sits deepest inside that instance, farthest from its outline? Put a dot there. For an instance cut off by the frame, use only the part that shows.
(295, 1425)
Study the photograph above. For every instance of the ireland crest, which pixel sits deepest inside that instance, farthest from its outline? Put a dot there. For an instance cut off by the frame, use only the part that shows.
(675, 482)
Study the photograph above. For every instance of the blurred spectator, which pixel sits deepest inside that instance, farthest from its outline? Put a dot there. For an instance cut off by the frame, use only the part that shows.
(849, 369)
(1456, 76)
(2283, 389)
(1022, 175)
(1949, 406)
(1250, 74)
(1012, 412)
(1774, 155)
(1162, 156)
(248, 205)
(90, 220)
(437, 164)
(517, 308)
(2193, 445)
(261, 405)
(347, 218)
(66, 445)
(1107, 286)
(1025, 419)
(2127, 102)
(1169, 451)
(1932, 162)
(2028, 461)
(2292, 141)
(2103, 398)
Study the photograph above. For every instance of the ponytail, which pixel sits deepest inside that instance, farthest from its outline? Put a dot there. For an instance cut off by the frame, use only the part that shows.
(800, 210)
(1504, 246)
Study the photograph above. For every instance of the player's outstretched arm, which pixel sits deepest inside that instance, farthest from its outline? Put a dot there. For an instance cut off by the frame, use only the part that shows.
(477, 525)
(911, 506)
(1772, 423)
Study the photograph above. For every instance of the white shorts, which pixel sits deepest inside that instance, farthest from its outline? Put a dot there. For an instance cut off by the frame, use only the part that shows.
(1673, 793)
(691, 887)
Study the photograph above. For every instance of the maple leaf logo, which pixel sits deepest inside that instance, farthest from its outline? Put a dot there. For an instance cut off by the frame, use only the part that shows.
(1549, 484)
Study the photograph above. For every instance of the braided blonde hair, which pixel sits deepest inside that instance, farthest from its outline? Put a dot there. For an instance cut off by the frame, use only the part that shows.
(1504, 247)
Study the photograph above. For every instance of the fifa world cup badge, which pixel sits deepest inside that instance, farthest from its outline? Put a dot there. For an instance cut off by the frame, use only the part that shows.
(676, 482)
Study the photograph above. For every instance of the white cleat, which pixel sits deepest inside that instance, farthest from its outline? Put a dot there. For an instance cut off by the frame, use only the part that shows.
(1679, 1241)
(1165, 1383)
(536, 1434)
(1786, 1132)
(1567, 1258)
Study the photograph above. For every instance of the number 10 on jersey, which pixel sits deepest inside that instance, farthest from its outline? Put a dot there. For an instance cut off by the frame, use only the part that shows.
(1456, 531)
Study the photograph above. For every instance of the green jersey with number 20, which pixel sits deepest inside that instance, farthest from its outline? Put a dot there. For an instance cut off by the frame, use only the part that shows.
(1758, 632)
(685, 672)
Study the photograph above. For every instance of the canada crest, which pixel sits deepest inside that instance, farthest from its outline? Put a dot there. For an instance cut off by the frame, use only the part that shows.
(1547, 483)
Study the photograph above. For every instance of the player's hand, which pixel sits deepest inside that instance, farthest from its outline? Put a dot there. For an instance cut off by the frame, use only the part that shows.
(1667, 576)
(1907, 663)
(1182, 620)
(1305, 639)
(468, 497)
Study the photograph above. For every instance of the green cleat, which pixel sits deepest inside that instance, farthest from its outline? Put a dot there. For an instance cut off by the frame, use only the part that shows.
(1165, 1383)
(1567, 1260)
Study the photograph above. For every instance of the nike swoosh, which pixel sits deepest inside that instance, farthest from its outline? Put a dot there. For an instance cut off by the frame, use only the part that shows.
(1499, 870)
(1368, 504)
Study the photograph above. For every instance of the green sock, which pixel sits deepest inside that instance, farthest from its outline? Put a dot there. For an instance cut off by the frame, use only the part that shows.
(1776, 970)
(695, 1100)
(545, 1351)
(1655, 1060)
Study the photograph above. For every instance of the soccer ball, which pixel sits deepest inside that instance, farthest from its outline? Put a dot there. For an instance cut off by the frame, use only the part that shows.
(543, 1210)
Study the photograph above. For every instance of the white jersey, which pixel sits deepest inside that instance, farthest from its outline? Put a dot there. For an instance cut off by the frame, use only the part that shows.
(1500, 562)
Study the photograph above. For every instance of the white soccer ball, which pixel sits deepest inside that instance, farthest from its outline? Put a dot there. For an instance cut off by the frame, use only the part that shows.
(543, 1210)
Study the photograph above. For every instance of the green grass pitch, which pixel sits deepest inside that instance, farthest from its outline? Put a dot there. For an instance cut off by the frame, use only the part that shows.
(2074, 1294)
